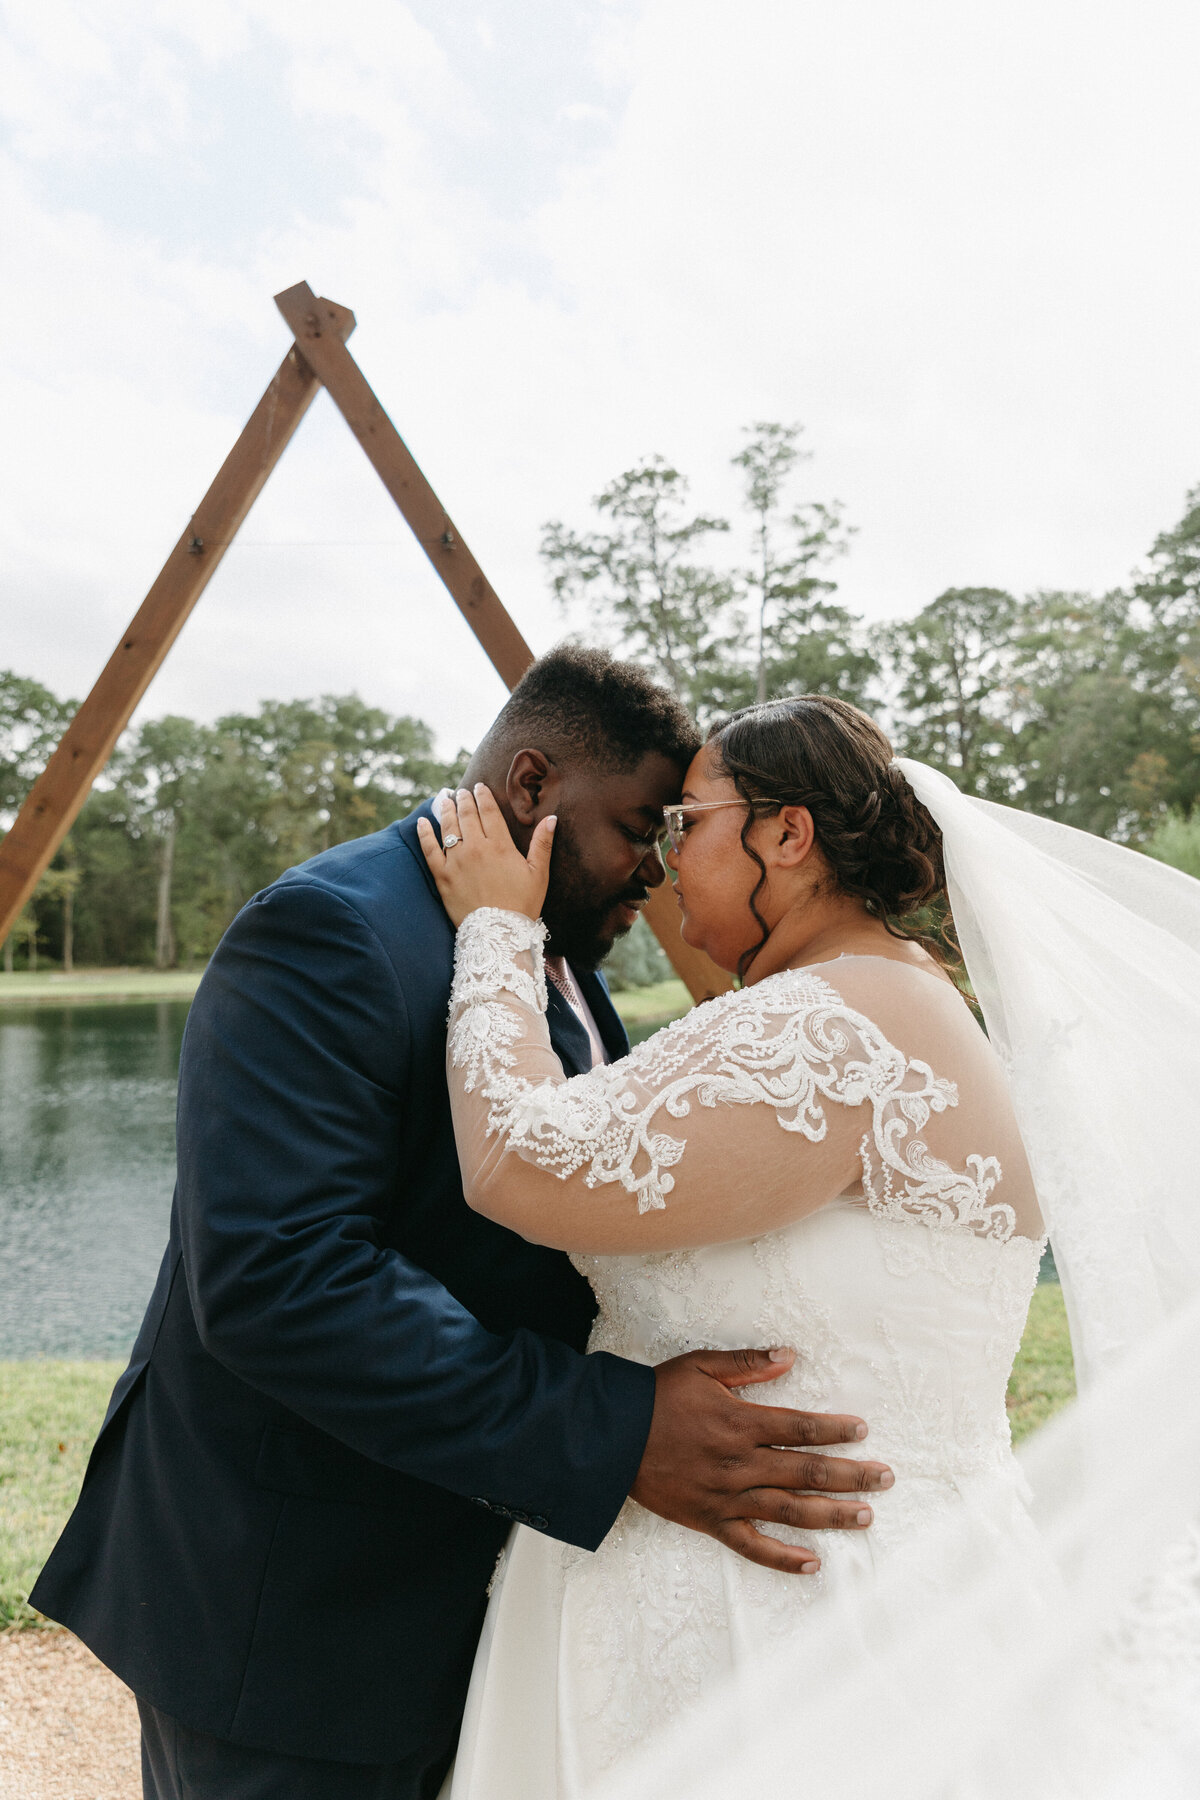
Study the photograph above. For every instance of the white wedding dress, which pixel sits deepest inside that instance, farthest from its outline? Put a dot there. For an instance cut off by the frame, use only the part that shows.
(828, 1159)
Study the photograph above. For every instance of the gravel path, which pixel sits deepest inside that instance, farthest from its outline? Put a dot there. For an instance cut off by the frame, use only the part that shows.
(68, 1729)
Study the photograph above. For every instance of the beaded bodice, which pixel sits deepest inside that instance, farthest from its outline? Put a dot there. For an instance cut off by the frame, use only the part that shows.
(911, 1327)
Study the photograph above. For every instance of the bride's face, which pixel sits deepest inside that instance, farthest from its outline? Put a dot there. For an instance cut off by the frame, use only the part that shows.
(714, 877)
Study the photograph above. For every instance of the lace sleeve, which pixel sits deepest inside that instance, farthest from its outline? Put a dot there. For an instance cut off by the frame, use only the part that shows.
(756, 1108)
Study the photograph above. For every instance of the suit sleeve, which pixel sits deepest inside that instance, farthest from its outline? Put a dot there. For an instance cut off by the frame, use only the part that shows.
(290, 1156)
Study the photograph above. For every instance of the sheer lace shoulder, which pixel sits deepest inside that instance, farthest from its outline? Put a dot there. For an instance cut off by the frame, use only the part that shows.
(752, 1110)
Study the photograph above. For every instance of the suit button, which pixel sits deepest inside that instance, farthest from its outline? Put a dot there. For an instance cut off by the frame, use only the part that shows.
(478, 1500)
(538, 1522)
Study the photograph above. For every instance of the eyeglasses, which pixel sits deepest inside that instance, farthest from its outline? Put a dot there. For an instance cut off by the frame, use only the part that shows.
(674, 817)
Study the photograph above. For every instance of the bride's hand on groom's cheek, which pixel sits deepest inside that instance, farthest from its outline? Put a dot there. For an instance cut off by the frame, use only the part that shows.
(477, 864)
(718, 1464)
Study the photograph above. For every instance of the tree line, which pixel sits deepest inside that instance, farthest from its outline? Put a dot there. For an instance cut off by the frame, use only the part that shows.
(190, 820)
(1085, 708)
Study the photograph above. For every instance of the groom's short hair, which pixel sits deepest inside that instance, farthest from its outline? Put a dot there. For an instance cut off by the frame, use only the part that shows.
(578, 704)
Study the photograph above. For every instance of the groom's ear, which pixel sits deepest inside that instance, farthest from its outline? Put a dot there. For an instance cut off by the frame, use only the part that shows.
(532, 788)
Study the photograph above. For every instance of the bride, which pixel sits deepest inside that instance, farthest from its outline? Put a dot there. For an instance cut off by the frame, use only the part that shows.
(827, 1157)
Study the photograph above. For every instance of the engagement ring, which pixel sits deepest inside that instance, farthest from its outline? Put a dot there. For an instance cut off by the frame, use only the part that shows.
(450, 840)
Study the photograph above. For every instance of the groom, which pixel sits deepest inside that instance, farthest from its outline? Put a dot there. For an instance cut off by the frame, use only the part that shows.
(347, 1386)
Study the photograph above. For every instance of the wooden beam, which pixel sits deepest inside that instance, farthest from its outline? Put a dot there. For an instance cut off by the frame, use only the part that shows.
(446, 549)
(318, 357)
(53, 802)
(393, 462)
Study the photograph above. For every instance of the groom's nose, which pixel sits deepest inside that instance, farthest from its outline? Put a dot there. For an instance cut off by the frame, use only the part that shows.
(651, 869)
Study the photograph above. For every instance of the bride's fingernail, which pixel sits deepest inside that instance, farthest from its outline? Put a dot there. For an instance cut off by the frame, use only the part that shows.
(780, 1353)
(863, 1515)
(860, 1432)
(809, 1568)
(551, 820)
(887, 1479)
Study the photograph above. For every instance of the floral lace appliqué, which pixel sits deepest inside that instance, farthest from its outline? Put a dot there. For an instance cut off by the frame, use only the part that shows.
(486, 966)
(790, 1042)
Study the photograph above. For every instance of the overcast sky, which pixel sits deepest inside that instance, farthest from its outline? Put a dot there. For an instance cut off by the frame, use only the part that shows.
(957, 240)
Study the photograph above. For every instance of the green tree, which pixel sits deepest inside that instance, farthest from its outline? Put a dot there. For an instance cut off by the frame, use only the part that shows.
(1172, 574)
(158, 771)
(32, 720)
(25, 929)
(636, 960)
(803, 642)
(642, 581)
(331, 769)
(115, 911)
(1163, 651)
(1176, 840)
(59, 885)
(190, 820)
(950, 668)
(1093, 744)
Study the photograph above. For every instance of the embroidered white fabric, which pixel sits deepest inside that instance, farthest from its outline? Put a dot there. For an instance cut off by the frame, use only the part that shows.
(830, 1166)
(952, 1653)
(754, 1110)
(976, 1666)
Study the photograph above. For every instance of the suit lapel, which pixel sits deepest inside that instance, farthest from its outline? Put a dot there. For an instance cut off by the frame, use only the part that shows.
(568, 1034)
(594, 989)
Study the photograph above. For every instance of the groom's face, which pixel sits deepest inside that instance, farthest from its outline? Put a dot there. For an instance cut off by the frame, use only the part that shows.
(606, 854)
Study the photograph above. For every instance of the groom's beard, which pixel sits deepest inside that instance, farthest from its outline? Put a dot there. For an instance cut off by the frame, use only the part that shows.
(582, 927)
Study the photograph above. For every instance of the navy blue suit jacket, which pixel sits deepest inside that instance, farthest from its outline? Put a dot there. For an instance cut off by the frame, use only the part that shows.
(347, 1384)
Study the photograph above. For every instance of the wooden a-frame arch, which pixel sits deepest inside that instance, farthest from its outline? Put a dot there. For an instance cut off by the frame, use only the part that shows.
(317, 358)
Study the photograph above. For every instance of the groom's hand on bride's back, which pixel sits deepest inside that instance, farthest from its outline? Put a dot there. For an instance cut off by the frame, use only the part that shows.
(718, 1464)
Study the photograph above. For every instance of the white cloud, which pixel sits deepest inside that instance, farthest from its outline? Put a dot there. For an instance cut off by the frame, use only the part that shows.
(955, 240)
(581, 112)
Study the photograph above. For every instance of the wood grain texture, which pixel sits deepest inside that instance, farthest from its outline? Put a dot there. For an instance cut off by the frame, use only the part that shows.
(396, 467)
(318, 357)
(53, 802)
(465, 581)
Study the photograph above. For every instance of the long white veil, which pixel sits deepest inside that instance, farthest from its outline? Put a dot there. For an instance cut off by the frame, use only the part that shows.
(1080, 1675)
(1085, 958)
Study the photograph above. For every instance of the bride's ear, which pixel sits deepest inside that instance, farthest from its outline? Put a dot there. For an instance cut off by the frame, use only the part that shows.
(793, 837)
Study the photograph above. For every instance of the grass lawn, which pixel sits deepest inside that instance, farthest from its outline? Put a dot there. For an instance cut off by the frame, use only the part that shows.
(1043, 1377)
(97, 985)
(653, 1005)
(50, 1413)
(640, 1006)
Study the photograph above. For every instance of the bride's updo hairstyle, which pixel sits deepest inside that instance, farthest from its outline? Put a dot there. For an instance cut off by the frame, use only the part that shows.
(881, 844)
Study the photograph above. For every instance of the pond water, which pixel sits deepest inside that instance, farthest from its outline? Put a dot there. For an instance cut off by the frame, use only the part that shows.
(87, 1165)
